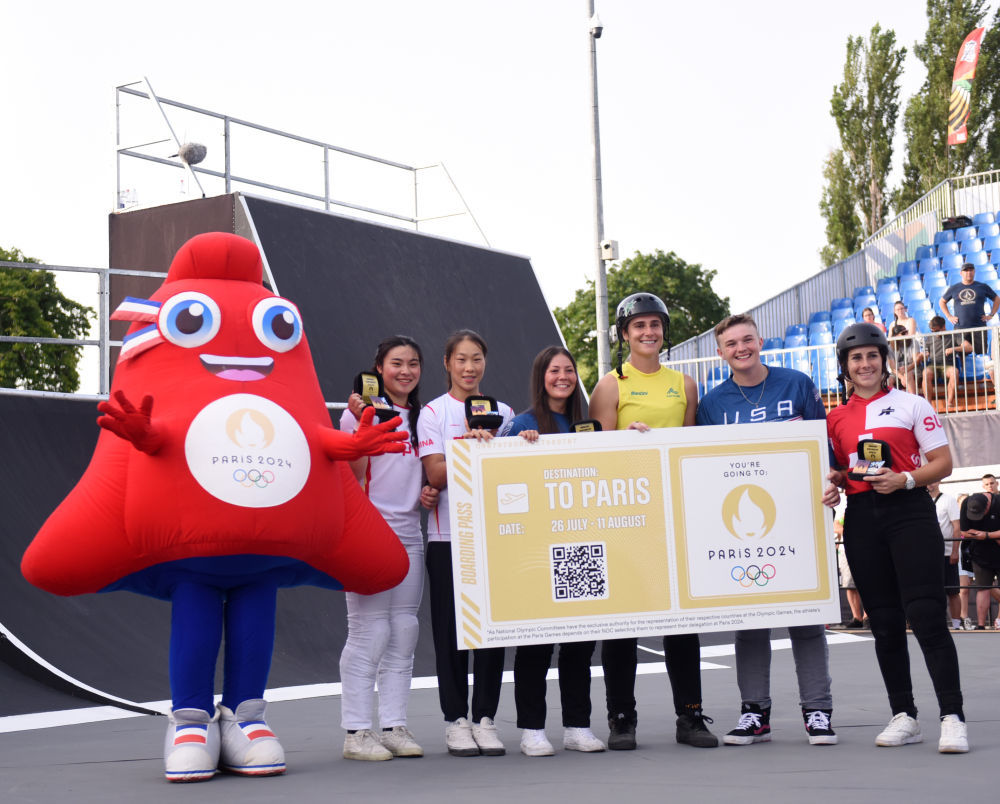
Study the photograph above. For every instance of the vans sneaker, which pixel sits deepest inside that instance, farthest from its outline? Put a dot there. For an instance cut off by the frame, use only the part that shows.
(902, 730)
(954, 736)
(249, 747)
(365, 745)
(578, 738)
(400, 742)
(191, 746)
(754, 726)
(534, 743)
(458, 738)
(488, 738)
(818, 726)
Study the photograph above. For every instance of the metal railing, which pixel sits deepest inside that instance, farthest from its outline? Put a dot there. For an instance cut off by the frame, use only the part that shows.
(965, 383)
(327, 151)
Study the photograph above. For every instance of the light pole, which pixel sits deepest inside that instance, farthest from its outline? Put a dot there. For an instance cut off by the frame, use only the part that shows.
(601, 282)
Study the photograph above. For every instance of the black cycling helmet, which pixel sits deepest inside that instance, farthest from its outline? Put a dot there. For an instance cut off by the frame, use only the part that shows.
(862, 334)
(640, 304)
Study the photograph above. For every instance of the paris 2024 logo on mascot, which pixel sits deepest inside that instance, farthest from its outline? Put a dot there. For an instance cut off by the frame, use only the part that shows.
(217, 479)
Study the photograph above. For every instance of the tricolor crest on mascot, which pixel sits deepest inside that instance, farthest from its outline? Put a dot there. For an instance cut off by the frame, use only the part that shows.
(217, 479)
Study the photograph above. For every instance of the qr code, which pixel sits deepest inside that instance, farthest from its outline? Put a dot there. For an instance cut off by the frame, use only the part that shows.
(579, 571)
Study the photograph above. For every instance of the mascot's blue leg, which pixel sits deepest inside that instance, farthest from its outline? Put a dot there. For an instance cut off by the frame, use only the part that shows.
(195, 636)
(250, 617)
(249, 747)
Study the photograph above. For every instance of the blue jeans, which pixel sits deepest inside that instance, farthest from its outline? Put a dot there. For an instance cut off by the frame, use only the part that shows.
(812, 666)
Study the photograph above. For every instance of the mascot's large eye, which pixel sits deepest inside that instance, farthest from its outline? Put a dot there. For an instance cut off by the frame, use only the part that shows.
(277, 323)
(189, 319)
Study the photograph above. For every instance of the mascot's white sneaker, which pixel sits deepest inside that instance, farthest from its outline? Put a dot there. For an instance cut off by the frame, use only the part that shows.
(249, 747)
(191, 748)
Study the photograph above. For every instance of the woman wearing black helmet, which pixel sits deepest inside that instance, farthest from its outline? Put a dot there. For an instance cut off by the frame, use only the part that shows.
(639, 395)
(891, 536)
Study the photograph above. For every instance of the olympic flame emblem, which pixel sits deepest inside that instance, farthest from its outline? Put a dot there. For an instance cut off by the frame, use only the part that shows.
(249, 429)
(748, 512)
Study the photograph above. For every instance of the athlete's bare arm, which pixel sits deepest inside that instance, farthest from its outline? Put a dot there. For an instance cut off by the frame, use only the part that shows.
(436, 469)
(604, 402)
(691, 393)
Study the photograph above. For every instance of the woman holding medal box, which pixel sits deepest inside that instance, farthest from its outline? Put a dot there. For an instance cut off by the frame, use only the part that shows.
(555, 406)
(443, 419)
(383, 628)
(891, 536)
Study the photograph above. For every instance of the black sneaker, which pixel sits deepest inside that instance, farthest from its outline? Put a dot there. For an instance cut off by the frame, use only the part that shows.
(754, 726)
(691, 730)
(622, 736)
(818, 726)
(850, 625)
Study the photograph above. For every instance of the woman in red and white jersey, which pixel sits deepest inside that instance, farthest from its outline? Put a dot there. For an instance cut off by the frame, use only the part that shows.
(891, 536)
(441, 420)
(382, 629)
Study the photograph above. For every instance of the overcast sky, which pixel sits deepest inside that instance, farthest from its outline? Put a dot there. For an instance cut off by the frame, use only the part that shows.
(714, 116)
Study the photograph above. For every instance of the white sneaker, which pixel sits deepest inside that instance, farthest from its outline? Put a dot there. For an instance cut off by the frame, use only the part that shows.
(249, 747)
(578, 738)
(954, 736)
(191, 747)
(969, 625)
(488, 738)
(400, 742)
(364, 744)
(458, 738)
(534, 743)
(902, 730)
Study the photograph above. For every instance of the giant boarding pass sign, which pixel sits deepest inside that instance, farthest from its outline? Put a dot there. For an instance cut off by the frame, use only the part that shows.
(616, 534)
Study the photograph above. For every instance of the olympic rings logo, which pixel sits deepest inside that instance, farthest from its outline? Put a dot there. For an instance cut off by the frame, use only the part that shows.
(254, 477)
(748, 576)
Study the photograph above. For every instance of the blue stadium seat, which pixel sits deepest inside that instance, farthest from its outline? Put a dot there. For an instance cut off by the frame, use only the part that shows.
(717, 376)
(952, 261)
(993, 283)
(840, 324)
(983, 217)
(928, 264)
(966, 233)
(972, 246)
(796, 340)
(908, 267)
(923, 252)
(772, 358)
(798, 359)
(988, 230)
(819, 315)
(864, 290)
(820, 337)
(773, 343)
(909, 282)
(944, 236)
(886, 282)
(954, 277)
(841, 303)
(995, 256)
(865, 301)
(935, 280)
(923, 318)
(888, 297)
(825, 370)
(934, 293)
(984, 272)
(977, 258)
(795, 329)
(841, 313)
(944, 249)
(974, 367)
(913, 306)
(990, 243)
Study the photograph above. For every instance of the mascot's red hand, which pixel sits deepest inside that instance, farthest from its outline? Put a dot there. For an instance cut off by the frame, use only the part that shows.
(131, 423)
(368, 439)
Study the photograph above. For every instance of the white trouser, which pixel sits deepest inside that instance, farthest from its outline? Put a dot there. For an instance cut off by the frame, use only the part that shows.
(382, 634)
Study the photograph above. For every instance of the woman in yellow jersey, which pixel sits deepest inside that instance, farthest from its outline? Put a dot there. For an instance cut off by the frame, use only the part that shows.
(639, 395)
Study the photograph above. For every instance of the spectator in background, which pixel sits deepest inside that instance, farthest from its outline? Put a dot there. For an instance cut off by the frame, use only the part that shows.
(947, 515)
(989, 483)
(939, 357)
(908, 356)
(868, 314)
(970, 300)
(901, 318)
(964, 574)
(858, 617)
(980, 520)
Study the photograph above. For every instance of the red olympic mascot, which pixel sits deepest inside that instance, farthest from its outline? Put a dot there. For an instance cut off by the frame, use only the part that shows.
(217, 479)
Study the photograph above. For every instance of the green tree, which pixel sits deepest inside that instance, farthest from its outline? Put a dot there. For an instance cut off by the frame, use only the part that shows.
(865, 106)
(32, 306)
(685, 289)
(929, 158)
(843, 227)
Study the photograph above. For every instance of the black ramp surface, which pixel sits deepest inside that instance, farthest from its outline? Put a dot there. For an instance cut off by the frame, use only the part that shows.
(117, 642)
(357, 282)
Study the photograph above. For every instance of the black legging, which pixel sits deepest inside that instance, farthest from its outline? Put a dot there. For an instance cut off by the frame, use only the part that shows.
(682, 655)
(894, 548)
